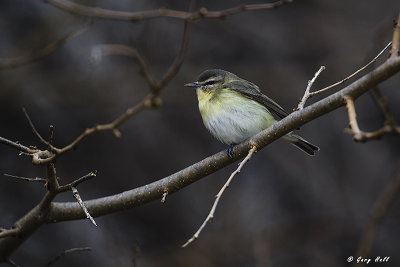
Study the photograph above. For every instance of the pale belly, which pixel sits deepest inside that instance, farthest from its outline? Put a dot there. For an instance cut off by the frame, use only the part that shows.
(232, 118)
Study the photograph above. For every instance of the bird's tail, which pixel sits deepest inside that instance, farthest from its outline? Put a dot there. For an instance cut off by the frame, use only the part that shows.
(301, 143)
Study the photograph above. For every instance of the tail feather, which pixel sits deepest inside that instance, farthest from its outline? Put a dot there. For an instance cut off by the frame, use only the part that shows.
(302, 144)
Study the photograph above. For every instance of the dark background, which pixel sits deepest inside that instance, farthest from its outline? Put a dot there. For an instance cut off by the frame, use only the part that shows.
(284, 209)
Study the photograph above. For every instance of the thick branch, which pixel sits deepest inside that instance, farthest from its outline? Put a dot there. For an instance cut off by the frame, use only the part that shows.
(175, 182)
(101, 13)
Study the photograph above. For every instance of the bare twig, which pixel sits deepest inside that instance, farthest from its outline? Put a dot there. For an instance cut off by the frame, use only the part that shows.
(361, 136)
(101, 13)
(307, 92)
(350, 76)
(71, 250)
(12, 263)
(377, 214)
(79, 199)
(218, 196)
(12, 63)
(24, 150)
(34, 129)
(78, 181)
(100, 51)
(384, 107)
(36, 179)
(164, 197)
(395, 51)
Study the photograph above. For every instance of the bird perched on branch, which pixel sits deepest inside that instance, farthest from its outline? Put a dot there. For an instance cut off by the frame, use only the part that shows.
(234, 109)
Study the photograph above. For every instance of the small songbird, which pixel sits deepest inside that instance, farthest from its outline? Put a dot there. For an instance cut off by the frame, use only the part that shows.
(234, 109)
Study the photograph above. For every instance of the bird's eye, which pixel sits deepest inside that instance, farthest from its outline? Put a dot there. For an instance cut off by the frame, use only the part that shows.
(210, 82)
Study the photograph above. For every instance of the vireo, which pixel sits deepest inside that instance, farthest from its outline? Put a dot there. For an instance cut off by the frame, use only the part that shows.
(234, 109)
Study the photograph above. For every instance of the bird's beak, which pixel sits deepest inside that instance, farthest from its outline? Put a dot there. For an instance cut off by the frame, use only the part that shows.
(193, 84)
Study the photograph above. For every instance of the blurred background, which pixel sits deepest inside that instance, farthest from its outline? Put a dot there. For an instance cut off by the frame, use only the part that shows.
(284, 209)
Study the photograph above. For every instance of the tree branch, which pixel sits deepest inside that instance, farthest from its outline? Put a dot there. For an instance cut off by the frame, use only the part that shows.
(395, 52)
(71, 250)
(309, 85)
(150, 101)
(351, 75)
(361, 136)
(18, 146)
(210, 215)
(174, 182)
(138, 196)
(101, 13)
(12, 63)
(377, 214)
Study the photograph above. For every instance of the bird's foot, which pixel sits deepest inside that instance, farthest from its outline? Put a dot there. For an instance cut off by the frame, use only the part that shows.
(229, 150)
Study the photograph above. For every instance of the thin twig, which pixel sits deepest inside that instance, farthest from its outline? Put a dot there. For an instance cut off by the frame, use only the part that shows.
(102, 50)
(384, 106)
(218, 196)
(34, 129)
(36, 179)
(101, 13)
(25, 150)
(78, 181)
(352, 75)
(12, 263)
(79, 199)
(307, 92)
(12, 63)
(71, 250)
(377, 214)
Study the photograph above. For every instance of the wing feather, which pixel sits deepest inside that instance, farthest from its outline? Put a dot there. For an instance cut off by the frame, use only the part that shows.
(252, 91)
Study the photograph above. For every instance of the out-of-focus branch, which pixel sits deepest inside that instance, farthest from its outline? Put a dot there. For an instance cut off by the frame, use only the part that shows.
(102, 50)
(361, 136)
(377, 214)
(384, 107)
(150, 101)
(101, 13)
(12, 63)
(65, 252)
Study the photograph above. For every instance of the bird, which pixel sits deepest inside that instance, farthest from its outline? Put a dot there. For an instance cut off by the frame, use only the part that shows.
(234, 109)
